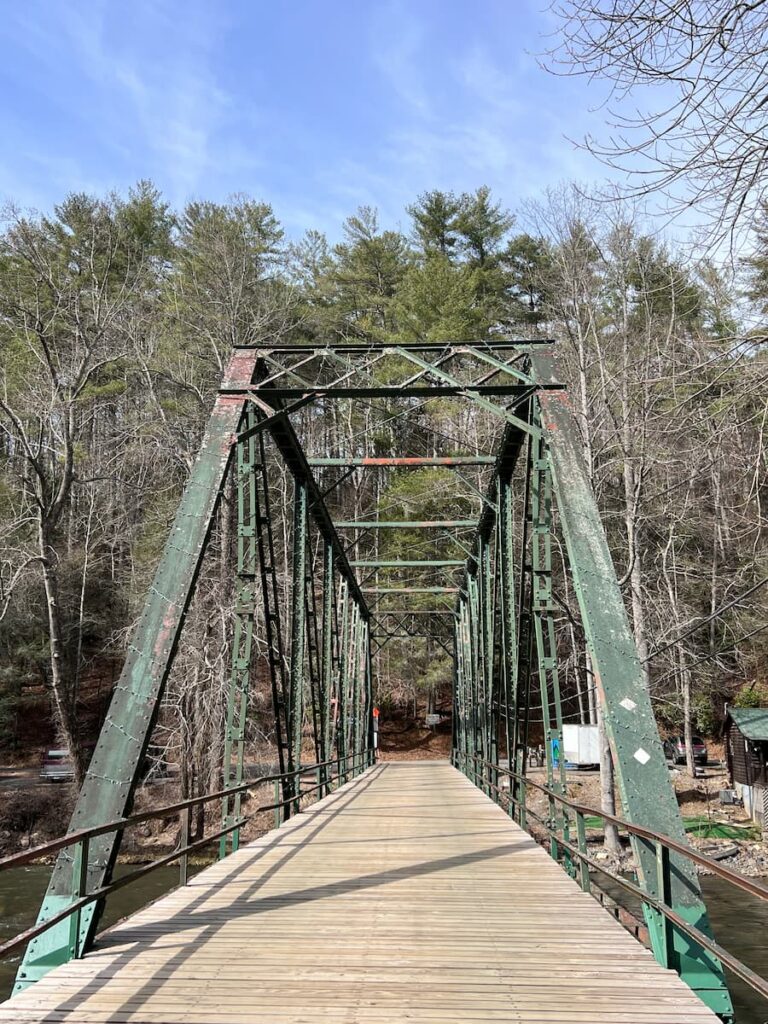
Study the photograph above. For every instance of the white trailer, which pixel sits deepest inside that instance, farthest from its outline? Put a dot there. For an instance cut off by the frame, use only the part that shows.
(581, 745)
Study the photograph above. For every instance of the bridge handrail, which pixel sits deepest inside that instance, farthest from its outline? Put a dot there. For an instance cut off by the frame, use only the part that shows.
(81, 838)
(663, 844)
(118, 824)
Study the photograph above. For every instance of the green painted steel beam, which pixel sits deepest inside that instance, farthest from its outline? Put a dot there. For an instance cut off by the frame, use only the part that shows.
(298, 635)
(326, 709)
(247, 466)
(477, 392)
(406, 461)
(647, 795)
(363, 348)
(114, 769)
(500, 365)
(292, 452)
(410, 590)
(378, 612)
(472, 393)
(398, 563)
(404, 524)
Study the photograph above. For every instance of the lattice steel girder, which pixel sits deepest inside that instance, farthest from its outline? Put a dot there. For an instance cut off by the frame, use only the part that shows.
(355, 378)
(647, 794)
(468, 391)
(113, 772)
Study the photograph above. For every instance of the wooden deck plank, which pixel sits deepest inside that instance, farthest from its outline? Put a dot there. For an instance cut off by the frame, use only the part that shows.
(406, 895)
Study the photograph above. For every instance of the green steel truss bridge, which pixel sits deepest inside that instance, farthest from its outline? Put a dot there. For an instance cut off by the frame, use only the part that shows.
(316, 617)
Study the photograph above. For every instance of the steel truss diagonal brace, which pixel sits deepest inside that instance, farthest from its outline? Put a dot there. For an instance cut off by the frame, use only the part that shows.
(647, 795)
(107, 791)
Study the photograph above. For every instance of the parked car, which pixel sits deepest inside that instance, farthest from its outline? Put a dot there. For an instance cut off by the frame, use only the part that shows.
(57, 767)
(674, 750)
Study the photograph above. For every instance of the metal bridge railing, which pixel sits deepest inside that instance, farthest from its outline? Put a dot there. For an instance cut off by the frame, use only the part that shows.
(81, 838)
(576, 861)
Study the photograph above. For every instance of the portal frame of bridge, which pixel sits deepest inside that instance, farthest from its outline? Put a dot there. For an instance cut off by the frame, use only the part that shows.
(503, 622)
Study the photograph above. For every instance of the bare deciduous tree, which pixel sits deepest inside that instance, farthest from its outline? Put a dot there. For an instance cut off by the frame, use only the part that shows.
(697, 69)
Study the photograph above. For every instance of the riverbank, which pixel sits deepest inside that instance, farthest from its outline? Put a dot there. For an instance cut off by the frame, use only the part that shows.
(723, 832)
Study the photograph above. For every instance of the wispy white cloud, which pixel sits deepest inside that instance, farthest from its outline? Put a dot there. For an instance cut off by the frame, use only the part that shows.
(397, 41)
(152, 94)
(331, 107)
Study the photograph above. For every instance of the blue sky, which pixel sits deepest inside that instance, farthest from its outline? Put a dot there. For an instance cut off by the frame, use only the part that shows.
(316, 106)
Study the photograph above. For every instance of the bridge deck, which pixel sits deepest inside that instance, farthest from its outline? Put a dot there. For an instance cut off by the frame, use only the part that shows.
(406, 895)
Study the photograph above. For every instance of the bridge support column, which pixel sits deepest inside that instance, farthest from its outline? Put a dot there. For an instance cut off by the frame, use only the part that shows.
(647, 796)
(298, 639)
(246, 467)
(505, 560)
(544, 629)
(116, 764)
(326, 674)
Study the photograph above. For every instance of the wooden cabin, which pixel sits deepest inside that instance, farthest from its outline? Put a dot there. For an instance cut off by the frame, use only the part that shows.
(746, 751)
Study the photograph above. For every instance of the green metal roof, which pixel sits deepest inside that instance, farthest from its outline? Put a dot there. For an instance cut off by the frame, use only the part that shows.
(751, 722)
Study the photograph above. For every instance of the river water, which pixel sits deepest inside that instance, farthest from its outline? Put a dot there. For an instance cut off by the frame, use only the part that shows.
(739, 921)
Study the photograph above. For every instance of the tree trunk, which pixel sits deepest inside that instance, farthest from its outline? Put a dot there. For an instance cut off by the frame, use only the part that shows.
(607, 797)
(685, 682)
(64, 712)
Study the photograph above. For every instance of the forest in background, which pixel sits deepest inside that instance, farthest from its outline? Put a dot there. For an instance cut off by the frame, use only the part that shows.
(118, 313)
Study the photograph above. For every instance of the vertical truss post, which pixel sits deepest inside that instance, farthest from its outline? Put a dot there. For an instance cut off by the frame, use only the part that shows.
(350, 688)
(326, 687)
(355, 696)
(486, 616)
(524, 648)
(314, 664)
(341, 675)
(242, 643)
(470, 703)
(506, 563)
(272, 620)
(544, 628)
(477, 696)
(647, 795)
(362, 731)
(369, 693)
(460, 686)
(298, 636)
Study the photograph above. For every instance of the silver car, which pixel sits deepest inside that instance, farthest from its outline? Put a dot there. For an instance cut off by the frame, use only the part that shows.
(57, 767)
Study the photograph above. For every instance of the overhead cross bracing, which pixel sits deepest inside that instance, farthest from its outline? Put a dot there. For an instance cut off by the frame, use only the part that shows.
(506, 513)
